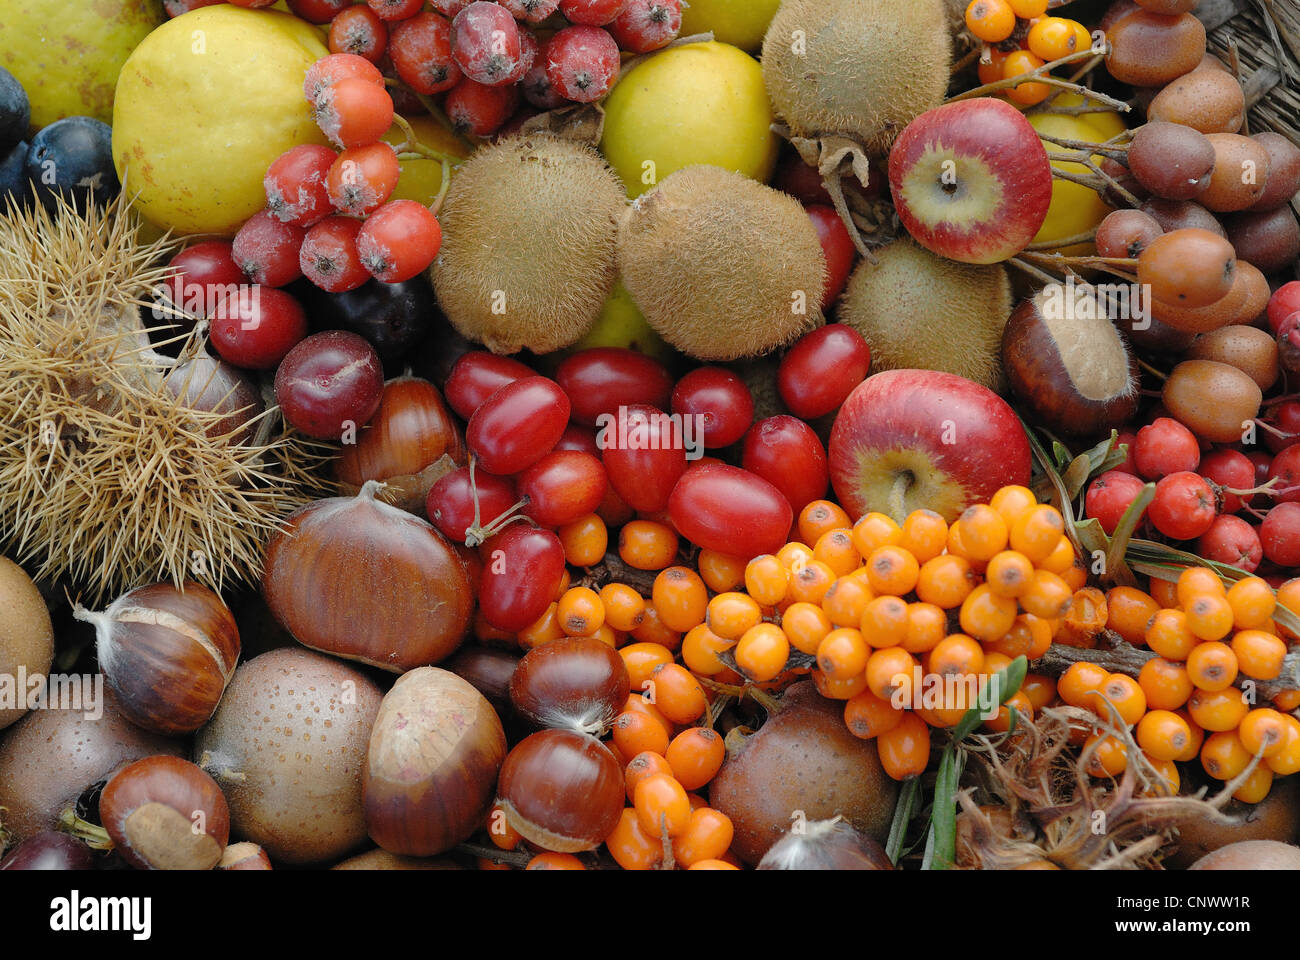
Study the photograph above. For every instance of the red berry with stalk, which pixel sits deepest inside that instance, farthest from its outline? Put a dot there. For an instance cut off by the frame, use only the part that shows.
(420, 49)
(531, 11)
(485, 43)
(266, 249)
(361, 179)
(395, 9)
(1233, 541)
(318, 11)
(582, 63)
(1183, 507)
(335, 68)
(353, 113)
(1279, 535)
(359, 30)
(1110, 495)
(329, 255)
(399, 240)
(1165, 446)
(295, 185)
(646, 25)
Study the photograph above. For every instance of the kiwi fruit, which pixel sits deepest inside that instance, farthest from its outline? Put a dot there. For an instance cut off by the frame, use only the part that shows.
(862, 69)
(920, 311)
(528, 256)
(26, 635)
(721, 266)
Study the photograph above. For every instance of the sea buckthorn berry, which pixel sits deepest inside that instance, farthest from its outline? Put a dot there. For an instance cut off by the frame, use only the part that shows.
(891, 670)
(1223, 756)
(985, 615)
(1259, 653)
(499, 831)
(867, 716)
(1085, 618)
(983, 532)
(1165, 683)
(713, 865)
(580, 612)
(1109, 756)
(645, 764)
(680, 597)
(804, 625)
(729, 615)
(892, 570)
(794, 556)
(847, 600)
(1212, 666)
(1209, 616)
(1288, 596)
(1165, 593)
(721, 572)
(843, 653)
(661, 806)
(677, 694)
(875, 530)
(1256, 786)
(1124, 694)
(1217, 710)
(946, 581)
(1169, 636)
(905, 749)
(646, 545)
(696, 756)
(1048, 596)
(991, 62)
(1063, 561)
(1053, 38)
(1287, 701)
(810, 583)
(543, 630)
(585, 541)
(1009, 574)
(1011, 502)
(624, 607)
(835, 548)
(990, 20)
(635, 733)
(1162, 734)
(1018, 63)
(1037, 532)
(1194, 582)
(956, 654)
(1170, 779)
(1080, 683)
(1198, 737)
(1029, 636)
(767, 580)
(1027, 10)
(563, 587)
(637, 703)
(554, 861)
(925, 535)
(1263, 732)
(1128, 612)
(1287, 760)
(1253, 603)
(839, 689)
(1076, 577)
(631, 847)
(820, 517)
(641, 658)
(763, 650)
(609, 636)
(652, 629)
(884, 622)
(700, 649)
(705, 840)
(926, 626)
(1040, 689)
(1001, 721)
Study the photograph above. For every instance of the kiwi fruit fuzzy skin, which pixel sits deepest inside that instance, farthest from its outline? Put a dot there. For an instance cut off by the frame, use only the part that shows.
(920, 311)
(528, 257)
(866, 69)
(721, 266)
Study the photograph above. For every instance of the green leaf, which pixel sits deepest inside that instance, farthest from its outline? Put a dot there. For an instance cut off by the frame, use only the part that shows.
(902, 817)
(1060, 455)
(1076, 475)
(1006, 684)
(1117, 568)
(943, 820)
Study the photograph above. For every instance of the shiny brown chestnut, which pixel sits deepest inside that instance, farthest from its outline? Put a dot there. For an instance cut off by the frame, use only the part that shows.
(435, 749)
(167, 653)
(1067, 363)
(205, 383)
(244, 856)
(563, 791)
(164, 813)
(574, 683)
(361, 579)
(488, 670)
(403, 444)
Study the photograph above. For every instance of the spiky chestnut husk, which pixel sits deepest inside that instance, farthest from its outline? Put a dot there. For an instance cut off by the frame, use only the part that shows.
(107, 478)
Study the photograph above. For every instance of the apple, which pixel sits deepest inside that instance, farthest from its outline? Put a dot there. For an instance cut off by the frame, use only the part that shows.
(911, 439)
(971, 180)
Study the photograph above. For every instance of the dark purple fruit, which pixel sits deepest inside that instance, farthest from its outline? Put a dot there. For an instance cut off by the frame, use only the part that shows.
(49, 850)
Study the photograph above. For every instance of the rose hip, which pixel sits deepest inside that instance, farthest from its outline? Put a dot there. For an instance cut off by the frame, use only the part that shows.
(645, 455)
(359, 30)
(562, 486)
(518, 425)
(1183, 507)
(593, 13)
(399, 240)
(1232, 469)
(485, 43)
(329, 257)
(530, 11)
(1279, 535)
(582, 63)
(266, 249)
(295, 184)
(1165, 446)
(395, 9)
(361, 179)
(599, 380)
(838, 249)
(318, 11)
(353, 113)
(1284, 302)
(1233, 541)
(254, 329)
(521, 571)
(476, 376)
(479, 109)
(536, 83)
(1286, 471)
(335, 68)
(1109, 495)
(420, 49)
(646, 25)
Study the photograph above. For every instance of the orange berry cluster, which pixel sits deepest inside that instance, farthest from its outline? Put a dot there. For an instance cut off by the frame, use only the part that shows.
(1184, 703)
(1043, 40)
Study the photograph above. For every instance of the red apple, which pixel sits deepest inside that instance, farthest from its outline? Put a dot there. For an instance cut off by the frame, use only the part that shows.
(911, 439)
(971, 180)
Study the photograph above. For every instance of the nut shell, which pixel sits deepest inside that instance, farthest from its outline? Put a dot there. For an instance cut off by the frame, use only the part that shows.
(164, 813)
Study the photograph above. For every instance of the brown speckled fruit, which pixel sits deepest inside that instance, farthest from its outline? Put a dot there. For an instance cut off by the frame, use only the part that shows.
(26, 635)
(287, 746)
(1251, 855)
(802, 758)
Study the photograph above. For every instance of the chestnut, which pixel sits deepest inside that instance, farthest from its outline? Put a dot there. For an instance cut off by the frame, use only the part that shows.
(575, 683)
(825, 845)
(49, 850)
(403, 445)
(361, 579)
(164, 813)
(562, 790)
(244, 856)
(435, 749)
(1067, 363)
(167, 653)
(488, 670)
(205, 383)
